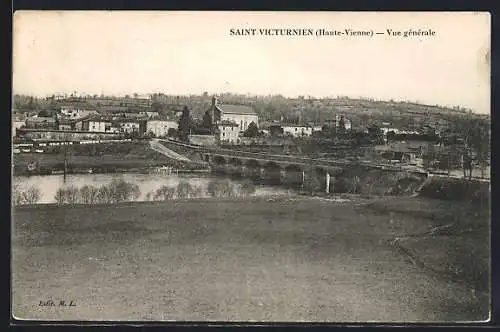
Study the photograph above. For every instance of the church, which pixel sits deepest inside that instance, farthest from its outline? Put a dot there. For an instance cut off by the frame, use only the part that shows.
(237, 114)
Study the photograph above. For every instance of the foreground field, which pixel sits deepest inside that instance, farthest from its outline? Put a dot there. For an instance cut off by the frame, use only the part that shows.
(292, 260)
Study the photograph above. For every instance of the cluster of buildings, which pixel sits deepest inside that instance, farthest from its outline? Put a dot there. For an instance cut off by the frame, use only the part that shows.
(233, 120)
(118, 117)
(83, 117)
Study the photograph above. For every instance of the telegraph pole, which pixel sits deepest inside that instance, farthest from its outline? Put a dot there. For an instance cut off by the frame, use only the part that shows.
(65, 161)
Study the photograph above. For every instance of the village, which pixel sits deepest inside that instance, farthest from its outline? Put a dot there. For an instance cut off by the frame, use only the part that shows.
(433, 145)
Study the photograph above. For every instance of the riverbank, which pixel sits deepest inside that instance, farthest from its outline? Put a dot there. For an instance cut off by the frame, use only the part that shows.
(260, 259)
(98, 158)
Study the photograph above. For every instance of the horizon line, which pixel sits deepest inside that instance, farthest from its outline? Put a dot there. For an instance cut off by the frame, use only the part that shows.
(249, 94)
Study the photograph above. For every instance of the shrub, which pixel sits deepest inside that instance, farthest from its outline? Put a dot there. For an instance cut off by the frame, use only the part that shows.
(30, 195)
(105, 195)
(247, 188)
(312, 183)
(184, 189)
(123, 191)
(164, 193)
(72, 195)
(88, 194)
(60, 196)
(221, 188)
(69, 195)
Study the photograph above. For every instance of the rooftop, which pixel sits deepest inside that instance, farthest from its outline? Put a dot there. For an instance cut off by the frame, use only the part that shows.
(75, 104)
(236, 109)
(228, 123)
(41, 119)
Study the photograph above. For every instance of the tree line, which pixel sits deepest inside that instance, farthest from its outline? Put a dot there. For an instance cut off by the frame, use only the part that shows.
(119, 190)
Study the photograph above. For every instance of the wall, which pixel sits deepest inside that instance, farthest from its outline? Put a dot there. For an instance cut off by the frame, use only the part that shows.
(243, 120)
(15, 126)
(298, 131)
(160, 128)
(229, 134)
(97, 126)
(206, 140)
(129, 127)
(64, 135)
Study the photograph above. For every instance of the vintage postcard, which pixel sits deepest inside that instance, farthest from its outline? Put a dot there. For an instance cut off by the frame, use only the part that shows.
(266, 167)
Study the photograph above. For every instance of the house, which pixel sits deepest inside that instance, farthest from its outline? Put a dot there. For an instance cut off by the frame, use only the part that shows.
(228, 132)
(160, 128)
(129, 127)
(16, 124)
(70, 124)
(335, 123)
(385, 130)
(76, 110)
(239, 114)
(41, 122)
(297, 130)
(406, 151)
(149, 114)
(96, 125)
(275, 130)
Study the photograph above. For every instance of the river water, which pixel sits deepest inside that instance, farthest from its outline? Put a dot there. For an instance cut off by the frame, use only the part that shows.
(148, 183)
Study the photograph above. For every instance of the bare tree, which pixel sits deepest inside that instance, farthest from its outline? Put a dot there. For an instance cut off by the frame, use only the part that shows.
(184, 189)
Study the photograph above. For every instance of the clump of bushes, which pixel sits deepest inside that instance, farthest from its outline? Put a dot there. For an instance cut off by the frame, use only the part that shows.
(184, 189)
(163, 193)
(25, 196)
(117, 191)
(225, 188)
(457, 190)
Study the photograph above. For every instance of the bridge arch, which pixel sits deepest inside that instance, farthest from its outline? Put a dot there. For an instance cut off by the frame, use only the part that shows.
(293, 175)
(219, 160)
(252, 163)
(271, 165)
(272, 172)
(320, 170)
(294, 168)
(235, 162)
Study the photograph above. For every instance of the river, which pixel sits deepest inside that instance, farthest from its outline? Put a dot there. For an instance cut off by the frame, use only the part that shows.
(148, 183)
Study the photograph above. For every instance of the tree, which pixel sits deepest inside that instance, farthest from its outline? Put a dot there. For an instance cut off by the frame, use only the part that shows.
(247, 188)
(45, 113)
(207, 122)
(172, 132)
(311, 182)
(391, 136)
(252, 130)
(164, 193)
(184, 189)
(341, 125)
(186, 125)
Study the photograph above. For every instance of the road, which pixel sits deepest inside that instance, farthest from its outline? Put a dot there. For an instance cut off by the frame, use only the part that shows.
(158, 147)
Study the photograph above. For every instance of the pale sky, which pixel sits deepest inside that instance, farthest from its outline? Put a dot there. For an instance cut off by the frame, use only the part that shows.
(190, 52)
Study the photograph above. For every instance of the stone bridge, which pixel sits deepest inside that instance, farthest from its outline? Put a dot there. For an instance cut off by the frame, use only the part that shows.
(274, 168)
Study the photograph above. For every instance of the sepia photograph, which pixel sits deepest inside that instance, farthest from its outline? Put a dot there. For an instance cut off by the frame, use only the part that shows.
(251, 167)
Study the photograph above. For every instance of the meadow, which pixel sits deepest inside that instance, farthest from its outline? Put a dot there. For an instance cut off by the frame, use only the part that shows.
(289, 259)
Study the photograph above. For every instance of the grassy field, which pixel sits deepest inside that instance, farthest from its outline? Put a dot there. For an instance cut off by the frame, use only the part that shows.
(104, 156)
(294, 259)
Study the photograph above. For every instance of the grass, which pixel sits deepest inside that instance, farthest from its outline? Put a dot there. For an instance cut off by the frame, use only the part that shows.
(294, 259)
(105, 156)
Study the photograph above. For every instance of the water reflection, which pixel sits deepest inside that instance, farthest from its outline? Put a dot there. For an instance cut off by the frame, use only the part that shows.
(148, 183)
